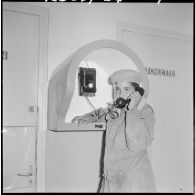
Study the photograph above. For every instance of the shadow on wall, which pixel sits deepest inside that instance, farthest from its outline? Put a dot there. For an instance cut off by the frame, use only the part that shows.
(102, 161)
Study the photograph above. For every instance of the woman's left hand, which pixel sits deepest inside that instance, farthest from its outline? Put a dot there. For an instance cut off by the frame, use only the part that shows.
(135, 99)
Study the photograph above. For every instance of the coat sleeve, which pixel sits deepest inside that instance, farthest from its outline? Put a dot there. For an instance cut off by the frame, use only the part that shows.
(139, 128)
(96, 116)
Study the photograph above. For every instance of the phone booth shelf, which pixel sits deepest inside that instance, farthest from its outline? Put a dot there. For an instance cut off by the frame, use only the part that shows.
(62, 82)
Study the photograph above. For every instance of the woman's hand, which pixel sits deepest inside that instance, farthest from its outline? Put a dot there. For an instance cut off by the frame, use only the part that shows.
(84, 119)
(135, 99)
(77, 119)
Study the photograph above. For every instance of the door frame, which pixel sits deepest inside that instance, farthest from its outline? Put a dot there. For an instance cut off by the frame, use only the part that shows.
(43, 14)
(141, 29)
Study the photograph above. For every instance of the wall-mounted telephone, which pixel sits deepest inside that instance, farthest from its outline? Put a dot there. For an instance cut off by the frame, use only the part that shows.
(87, 81)
(121, 102)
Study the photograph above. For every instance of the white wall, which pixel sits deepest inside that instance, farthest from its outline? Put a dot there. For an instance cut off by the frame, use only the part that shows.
(71, 26)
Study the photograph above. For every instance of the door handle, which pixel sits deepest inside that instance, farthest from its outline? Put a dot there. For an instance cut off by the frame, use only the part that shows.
(25, 174)
(28, 174)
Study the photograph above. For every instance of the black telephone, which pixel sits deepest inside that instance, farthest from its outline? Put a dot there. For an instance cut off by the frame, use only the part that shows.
(121, 102)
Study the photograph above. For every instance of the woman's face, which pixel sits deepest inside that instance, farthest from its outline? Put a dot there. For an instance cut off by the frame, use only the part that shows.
(122, 89)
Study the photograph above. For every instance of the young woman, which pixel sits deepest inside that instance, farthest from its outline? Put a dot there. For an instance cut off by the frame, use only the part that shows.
(130, 130)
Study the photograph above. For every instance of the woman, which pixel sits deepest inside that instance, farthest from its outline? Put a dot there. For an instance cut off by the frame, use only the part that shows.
(127, 167)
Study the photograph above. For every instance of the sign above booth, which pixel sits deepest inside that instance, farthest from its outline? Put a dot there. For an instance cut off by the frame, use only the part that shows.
(160, 72)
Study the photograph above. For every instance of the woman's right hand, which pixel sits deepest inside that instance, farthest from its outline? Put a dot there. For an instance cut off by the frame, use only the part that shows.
(83, 120)
(77, 120)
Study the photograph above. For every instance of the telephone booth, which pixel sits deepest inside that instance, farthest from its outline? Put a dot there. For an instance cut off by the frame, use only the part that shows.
(62, 84)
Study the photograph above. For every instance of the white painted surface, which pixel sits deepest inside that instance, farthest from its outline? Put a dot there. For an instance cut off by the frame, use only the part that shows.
(72, 25)
(26, 84)
(75, 162)
(111, 60)
(20, 87)
(20, 71)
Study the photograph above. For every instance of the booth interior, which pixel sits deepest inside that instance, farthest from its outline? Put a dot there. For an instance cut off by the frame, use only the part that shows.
(64, 101)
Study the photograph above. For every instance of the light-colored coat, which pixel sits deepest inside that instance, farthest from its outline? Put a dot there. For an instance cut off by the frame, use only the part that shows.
(127, 167)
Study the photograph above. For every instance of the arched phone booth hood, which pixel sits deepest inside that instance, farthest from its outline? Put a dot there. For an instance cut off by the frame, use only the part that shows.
(62, 83)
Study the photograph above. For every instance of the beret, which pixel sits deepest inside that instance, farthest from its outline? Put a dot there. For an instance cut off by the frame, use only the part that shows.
(125, 75)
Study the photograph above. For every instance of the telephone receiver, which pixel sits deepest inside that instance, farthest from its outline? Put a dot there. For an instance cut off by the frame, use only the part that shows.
(121, 102)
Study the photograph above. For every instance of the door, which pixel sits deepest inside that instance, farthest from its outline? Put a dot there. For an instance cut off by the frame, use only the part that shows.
(172, 100)
(20, 100)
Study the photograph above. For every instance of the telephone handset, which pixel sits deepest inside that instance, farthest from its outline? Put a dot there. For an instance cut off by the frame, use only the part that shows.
(121, 102)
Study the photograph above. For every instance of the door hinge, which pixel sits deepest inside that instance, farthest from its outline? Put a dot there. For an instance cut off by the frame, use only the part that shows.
(5, 55)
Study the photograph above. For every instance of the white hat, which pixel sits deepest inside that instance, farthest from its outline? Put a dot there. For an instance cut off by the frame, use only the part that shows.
(125, 75)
